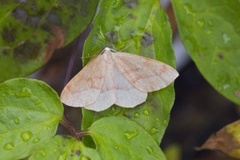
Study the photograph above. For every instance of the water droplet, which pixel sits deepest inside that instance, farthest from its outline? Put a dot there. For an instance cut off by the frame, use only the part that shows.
(25, 92)
(8, 146)
(150, 150)
(210, 23)
(165, 123)
(146, 112)
(157, 119)
(16, 121)
(225, 86)
(116, 147)
(154, 131)
(200, 23)
(188, 9)
(136, 115)
(43, 153)
(56, 142)
(131, 134)
(48, 128)
(36, 140)
(63, 156)
(208, 31)
(225, 37)
(115, 3)
(83, 157)
(38, 102)
(26, 136)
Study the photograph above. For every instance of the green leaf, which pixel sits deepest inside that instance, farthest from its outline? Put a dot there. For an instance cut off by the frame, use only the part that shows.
(31, 30)
(64, 148)
(211, 34)
(122, 138)
(29, 115)
(138, 27)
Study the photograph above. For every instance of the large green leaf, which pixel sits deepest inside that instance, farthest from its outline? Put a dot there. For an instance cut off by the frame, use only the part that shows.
(29, 115)
(31, 30)
(64, 148)
(211, 34)
(122, 138)
(138, 27)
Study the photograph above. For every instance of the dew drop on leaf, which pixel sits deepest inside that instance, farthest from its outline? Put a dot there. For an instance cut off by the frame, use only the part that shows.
(150, 150)
(188, 9)
(146, 112)
(116, 147)
(157, 119)
(16, 121)
(130, 134)
(165, 122)
(136, 115)
(210, 23)
(225, 37)
(154, 131)
(63, 156)
(38, 102)
(200, 23)
(25, 92)
(83, 157)
(8, 146)
(26, 136)
(43, 153)
(36, 140)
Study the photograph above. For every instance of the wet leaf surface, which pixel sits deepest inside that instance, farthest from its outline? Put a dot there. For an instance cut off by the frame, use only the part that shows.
(122, 138)
(30, 112)
(210, 32)
(66, 147)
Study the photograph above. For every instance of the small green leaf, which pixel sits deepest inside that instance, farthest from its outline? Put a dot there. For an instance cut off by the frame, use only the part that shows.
(122, 138)
(63, 148)
(211, 34)
(30, 112)
(137, 27)
(30, 31)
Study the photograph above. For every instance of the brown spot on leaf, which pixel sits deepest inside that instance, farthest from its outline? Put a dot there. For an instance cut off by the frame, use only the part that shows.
(220, 56)
(6, 52)
(54, 43)
(237, 93)
(20, 14)
(26, 51)
(9, 34)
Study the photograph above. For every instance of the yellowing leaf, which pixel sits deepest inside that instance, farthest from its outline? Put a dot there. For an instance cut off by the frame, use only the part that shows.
(226, 140)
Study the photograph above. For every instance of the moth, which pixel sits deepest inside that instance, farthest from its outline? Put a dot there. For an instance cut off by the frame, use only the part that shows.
(116, 78)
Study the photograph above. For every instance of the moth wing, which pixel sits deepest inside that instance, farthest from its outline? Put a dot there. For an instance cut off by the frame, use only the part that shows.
(84, 88)
(144, 73)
